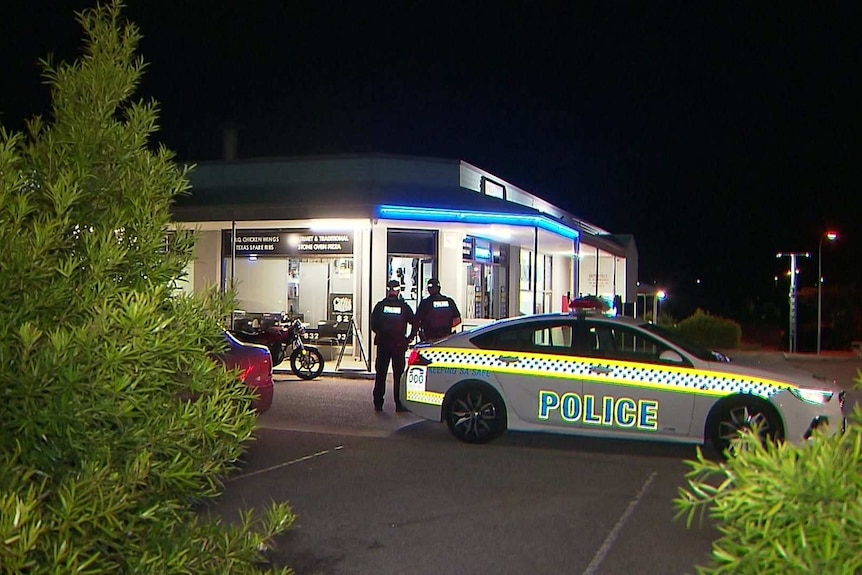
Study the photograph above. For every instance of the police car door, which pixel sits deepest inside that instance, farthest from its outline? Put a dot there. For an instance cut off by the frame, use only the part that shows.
(535, 372)
(626, 385)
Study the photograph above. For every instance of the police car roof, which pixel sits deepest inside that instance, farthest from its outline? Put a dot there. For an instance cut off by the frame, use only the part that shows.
(496, 324)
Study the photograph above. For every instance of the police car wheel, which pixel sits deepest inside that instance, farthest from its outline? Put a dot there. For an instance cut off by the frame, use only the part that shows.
(475, 413)
(732, 418)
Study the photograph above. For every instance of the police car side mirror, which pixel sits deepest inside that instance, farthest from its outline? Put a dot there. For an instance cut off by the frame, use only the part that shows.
(670, 356)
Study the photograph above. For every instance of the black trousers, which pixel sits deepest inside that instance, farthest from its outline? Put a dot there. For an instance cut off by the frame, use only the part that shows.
(381, 366)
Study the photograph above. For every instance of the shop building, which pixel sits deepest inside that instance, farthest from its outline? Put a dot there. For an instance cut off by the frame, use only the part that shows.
(318, 238)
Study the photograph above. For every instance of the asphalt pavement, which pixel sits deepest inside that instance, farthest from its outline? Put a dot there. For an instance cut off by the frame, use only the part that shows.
(390, 493)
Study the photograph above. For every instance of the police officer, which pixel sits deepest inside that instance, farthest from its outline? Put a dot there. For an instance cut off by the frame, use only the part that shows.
(437, 314)
(390, 320)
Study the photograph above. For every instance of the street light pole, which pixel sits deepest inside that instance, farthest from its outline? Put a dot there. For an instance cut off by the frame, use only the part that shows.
(792, 296)
(831, 236)
(658, 295)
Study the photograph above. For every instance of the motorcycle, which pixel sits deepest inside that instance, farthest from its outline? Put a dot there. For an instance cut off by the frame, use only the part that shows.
(305, 361)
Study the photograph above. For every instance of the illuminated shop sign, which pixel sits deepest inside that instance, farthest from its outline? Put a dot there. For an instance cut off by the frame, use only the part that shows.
(341, 304)
(483, 250)
(467, 248)
(288, 243)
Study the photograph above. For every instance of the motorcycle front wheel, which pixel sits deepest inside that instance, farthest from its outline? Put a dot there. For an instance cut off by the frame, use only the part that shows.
(306, 362)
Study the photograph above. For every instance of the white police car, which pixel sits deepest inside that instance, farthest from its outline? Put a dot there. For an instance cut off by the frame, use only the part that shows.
(605, 376)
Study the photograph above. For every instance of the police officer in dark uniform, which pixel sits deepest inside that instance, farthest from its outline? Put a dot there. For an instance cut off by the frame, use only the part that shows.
(390, 321)
(437, 314)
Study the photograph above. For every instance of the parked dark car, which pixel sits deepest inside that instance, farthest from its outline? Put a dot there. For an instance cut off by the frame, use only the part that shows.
(255, 365)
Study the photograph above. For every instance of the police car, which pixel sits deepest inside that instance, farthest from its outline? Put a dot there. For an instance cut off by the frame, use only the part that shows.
(586, 373)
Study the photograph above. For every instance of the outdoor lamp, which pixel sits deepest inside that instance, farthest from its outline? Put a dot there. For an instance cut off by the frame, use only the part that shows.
(831, 236)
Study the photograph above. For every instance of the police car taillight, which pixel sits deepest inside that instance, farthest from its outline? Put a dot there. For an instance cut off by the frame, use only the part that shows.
(416, 359)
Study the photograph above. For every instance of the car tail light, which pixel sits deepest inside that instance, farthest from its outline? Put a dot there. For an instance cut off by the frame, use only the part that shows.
(416, 358)
(246, 373)
(257, 370)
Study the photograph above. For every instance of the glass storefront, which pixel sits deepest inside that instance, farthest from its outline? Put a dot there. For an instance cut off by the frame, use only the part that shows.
(297, 273)
(487, 271)
(412, 257)
(536, 287)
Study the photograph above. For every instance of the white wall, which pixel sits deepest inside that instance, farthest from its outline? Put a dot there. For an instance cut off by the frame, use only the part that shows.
(186, 284)
(207, 268)
(379, 272)
(607, 273)
(561, 281)
(620, 277)
(361, 281)
(586, 271)
(450, 267)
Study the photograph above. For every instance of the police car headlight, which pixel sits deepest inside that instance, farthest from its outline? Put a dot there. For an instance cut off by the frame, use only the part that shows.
(815, 396)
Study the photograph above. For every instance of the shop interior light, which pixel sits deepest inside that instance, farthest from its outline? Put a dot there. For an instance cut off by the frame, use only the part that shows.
(329, 225)
(498, 232)
(442, 215)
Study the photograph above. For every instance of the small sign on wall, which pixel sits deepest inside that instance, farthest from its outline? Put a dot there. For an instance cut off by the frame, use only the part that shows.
(288, 243)
(341, 313)
(340, 304)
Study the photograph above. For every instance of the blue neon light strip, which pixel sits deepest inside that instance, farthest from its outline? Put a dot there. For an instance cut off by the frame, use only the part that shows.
(441, 215)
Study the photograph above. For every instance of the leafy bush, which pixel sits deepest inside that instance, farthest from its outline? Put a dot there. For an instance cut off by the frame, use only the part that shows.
(710, 331)
(785, 508)
(100, 461)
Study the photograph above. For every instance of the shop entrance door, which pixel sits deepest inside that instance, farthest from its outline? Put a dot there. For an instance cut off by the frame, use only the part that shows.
(413, 272)
(486, 291)
(495, 287)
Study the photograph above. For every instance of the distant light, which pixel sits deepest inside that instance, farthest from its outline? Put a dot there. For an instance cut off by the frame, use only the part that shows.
(661, 294)
(831, 236)
(698, 281)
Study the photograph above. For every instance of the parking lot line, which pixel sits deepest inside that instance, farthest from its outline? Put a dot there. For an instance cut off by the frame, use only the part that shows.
(287, 463)
(612, 536)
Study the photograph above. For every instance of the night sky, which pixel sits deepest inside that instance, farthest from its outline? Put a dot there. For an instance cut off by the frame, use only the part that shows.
(717, 133)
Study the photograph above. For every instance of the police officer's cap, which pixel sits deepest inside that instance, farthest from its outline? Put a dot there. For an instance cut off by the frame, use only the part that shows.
(394, 284)
(433, 282)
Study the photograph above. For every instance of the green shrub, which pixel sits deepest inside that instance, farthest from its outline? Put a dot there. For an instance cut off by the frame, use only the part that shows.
(782, 509)
(101, 464)
(710, 331)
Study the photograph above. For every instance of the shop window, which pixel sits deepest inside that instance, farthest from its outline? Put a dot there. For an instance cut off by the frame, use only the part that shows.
(486, 273)
(493, 189)
(296, 287)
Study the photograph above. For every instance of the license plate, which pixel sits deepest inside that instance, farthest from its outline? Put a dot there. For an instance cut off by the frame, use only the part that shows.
(416, 378)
